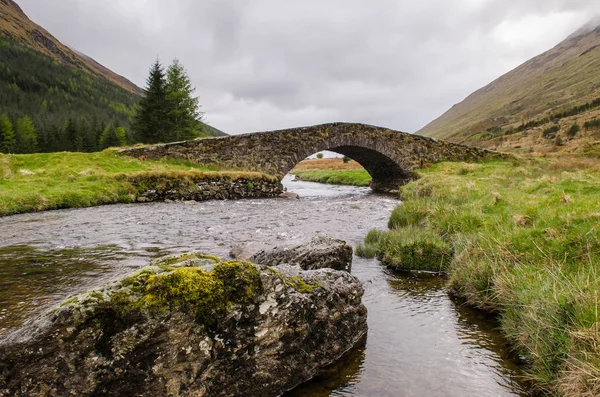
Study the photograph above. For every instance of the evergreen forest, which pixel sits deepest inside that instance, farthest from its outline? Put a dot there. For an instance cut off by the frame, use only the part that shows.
(48, 107)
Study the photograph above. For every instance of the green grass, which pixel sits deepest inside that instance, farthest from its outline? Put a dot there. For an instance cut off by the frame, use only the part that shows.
(38, 182)
(335, 177)
(408, 248)
(525, 243)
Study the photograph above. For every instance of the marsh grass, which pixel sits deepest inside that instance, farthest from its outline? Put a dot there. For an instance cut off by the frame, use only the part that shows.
(525, 243)
(38, 182)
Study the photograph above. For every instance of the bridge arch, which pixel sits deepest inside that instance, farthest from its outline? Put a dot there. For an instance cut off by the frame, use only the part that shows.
(389, 156)
(387, 175)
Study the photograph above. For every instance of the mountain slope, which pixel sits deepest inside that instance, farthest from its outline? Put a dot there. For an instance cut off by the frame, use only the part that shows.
(17, 26)
(553, 82)
(72, 102)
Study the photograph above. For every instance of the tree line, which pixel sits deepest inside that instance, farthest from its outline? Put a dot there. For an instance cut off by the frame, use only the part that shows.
(46, 106)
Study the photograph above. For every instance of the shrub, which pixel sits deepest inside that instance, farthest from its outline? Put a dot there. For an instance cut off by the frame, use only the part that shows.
(319, 155)
(346, 159)
(549, 132)
(573, 130)
(558, 141)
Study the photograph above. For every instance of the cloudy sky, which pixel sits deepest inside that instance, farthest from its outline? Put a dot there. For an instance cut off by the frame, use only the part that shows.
(269, 64)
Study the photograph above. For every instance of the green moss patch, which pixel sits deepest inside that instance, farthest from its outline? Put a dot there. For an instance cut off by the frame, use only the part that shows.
(295, 282)
(206, 295)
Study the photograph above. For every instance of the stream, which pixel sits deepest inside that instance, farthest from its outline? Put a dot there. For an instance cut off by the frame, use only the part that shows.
(420, 341)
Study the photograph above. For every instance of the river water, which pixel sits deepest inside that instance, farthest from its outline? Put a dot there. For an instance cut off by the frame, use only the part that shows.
(420, 342)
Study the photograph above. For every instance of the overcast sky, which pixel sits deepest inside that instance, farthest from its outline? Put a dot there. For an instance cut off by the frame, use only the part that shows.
(268, 64)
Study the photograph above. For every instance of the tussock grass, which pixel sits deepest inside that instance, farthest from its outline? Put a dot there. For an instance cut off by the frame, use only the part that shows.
(38, 182)
(407, 248)
(525, 243)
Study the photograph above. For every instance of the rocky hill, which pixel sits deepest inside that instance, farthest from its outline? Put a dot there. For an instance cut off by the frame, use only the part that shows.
(551, 100)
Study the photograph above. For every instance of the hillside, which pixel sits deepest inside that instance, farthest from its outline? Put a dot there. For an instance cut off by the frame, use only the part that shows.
(534, 104)
(17, 26)
(53, 98)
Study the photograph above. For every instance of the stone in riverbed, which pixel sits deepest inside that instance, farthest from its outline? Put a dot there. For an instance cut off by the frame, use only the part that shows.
(246, 250)
(289, 195)
(321, 252)
(241, 329)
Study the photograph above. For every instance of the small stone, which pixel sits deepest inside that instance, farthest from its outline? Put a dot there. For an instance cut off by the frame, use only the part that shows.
(289, 195)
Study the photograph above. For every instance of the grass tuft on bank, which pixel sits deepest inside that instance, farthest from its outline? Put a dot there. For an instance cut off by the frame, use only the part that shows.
(38, 182)
(520, 239)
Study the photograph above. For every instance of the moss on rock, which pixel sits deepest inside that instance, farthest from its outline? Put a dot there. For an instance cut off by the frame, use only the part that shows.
(173, 282)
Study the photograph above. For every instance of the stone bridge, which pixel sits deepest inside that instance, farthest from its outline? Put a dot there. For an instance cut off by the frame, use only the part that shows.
(389, 156)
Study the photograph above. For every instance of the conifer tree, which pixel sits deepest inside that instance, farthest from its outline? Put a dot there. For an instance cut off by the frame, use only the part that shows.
(121, 136)
(8, 141)
(113, 137)
(106, 138)
(182, 107)
(25, 136)
(151, 124)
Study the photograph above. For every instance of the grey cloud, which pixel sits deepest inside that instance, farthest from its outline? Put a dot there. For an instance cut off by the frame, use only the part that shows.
(266, 64)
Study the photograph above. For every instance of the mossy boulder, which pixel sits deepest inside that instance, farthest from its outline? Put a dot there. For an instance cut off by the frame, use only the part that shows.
(188, 325)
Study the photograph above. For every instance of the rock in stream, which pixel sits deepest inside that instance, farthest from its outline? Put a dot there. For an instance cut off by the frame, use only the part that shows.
(189, 325)
(321, 252)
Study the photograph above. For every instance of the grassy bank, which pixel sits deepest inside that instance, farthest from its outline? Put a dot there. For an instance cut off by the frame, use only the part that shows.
(332, 171)
(335, 177)
(520, 239)
(38, 182)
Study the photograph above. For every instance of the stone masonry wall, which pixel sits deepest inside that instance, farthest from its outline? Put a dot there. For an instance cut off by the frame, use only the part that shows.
(210, 189)
(389, 156)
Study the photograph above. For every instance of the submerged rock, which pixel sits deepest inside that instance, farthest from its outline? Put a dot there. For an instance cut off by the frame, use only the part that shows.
(189, 326)
(320, 253)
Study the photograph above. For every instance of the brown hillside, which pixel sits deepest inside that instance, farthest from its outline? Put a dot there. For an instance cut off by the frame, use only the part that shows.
(566, 76)
(14, 23)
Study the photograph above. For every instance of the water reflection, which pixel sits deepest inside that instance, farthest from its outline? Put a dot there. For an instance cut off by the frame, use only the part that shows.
(338, 379)
(32, 279)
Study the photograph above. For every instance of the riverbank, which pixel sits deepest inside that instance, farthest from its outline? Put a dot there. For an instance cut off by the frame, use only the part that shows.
(418, 335)
(39, 182)
(519, 239)
(332, 171)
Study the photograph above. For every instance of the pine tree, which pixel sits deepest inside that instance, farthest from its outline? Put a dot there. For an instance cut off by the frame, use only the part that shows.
(26, 137)
(113, 137)
(182, 107)
(151, 124)
(121, 136)
(8, 140)
(106, 138)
